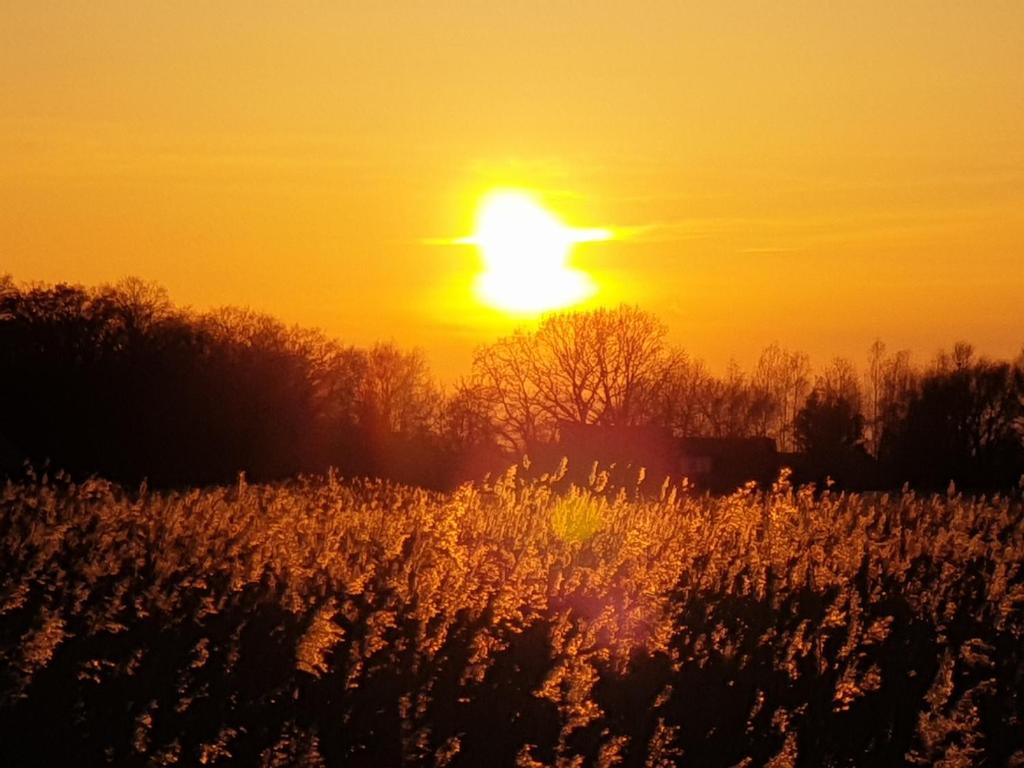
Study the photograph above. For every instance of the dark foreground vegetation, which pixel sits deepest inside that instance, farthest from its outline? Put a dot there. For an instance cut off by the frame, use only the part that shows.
(321, 623)
(118, 381)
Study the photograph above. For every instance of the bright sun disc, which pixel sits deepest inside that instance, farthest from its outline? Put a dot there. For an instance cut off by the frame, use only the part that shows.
(526, 251)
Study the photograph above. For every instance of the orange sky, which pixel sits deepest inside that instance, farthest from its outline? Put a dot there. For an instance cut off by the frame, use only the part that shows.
(813, 173)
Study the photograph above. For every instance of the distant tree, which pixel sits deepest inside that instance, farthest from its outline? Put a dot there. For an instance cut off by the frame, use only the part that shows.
(891, 380)
(872, 410)
(962, 423)
(135, 305)
(9, 294)
(730, 406)
(468, 436)
(116, 380)
(503, 380)
(464, 420)
(831, 418)
(261, 382)
(119, 381)
(829, 429)
(605, 366)
(682, 403)
(829, 426)
(336, 374)
(780, 382)
(396, 394)
(839, 380)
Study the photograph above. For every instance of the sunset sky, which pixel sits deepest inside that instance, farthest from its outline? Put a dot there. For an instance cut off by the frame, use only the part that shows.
(812, 173)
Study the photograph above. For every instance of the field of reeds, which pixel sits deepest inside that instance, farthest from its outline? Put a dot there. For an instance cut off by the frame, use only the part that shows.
(322, 622)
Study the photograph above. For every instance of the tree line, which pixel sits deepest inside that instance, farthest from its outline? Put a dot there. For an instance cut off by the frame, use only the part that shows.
(118, 380)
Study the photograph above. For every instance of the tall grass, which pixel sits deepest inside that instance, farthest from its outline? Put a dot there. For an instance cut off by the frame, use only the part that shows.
(322, 622)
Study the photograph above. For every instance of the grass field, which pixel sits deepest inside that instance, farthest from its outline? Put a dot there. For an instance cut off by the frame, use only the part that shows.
(322, 622)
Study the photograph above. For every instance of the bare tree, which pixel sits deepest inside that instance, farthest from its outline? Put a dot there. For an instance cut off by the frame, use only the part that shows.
(136, 304)
(781, 381)
(683, 399)
(605, 366)
(899, 380)
(464, 420)
(336, 372)
(839, 381)
(960, 358)
(873, 415)
(396, 394)
(504, 380)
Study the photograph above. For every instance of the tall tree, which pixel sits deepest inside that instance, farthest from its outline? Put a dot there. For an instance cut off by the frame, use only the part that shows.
(873, 419)
(830, 425)
(829, 428)
(396, 394)
(605, 366)
(839, 380)
(961, 423)
(682, 404)
(780, 381)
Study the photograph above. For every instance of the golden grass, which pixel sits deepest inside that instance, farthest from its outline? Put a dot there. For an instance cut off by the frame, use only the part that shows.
(262, 622)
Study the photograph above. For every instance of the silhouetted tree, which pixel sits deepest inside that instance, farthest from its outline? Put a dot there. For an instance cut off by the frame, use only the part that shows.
(464, 420)
(681, 398)
(397, 395)
(829, 430)
(829, 425)
(605, 366)
(469, 436)
(780, 382)
(962, 423)
(730, 406)
(117, 380)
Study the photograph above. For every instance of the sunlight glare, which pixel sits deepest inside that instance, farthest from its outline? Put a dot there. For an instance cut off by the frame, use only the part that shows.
(526, 251)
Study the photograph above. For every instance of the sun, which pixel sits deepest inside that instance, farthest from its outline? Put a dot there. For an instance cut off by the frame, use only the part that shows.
(526, 251)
